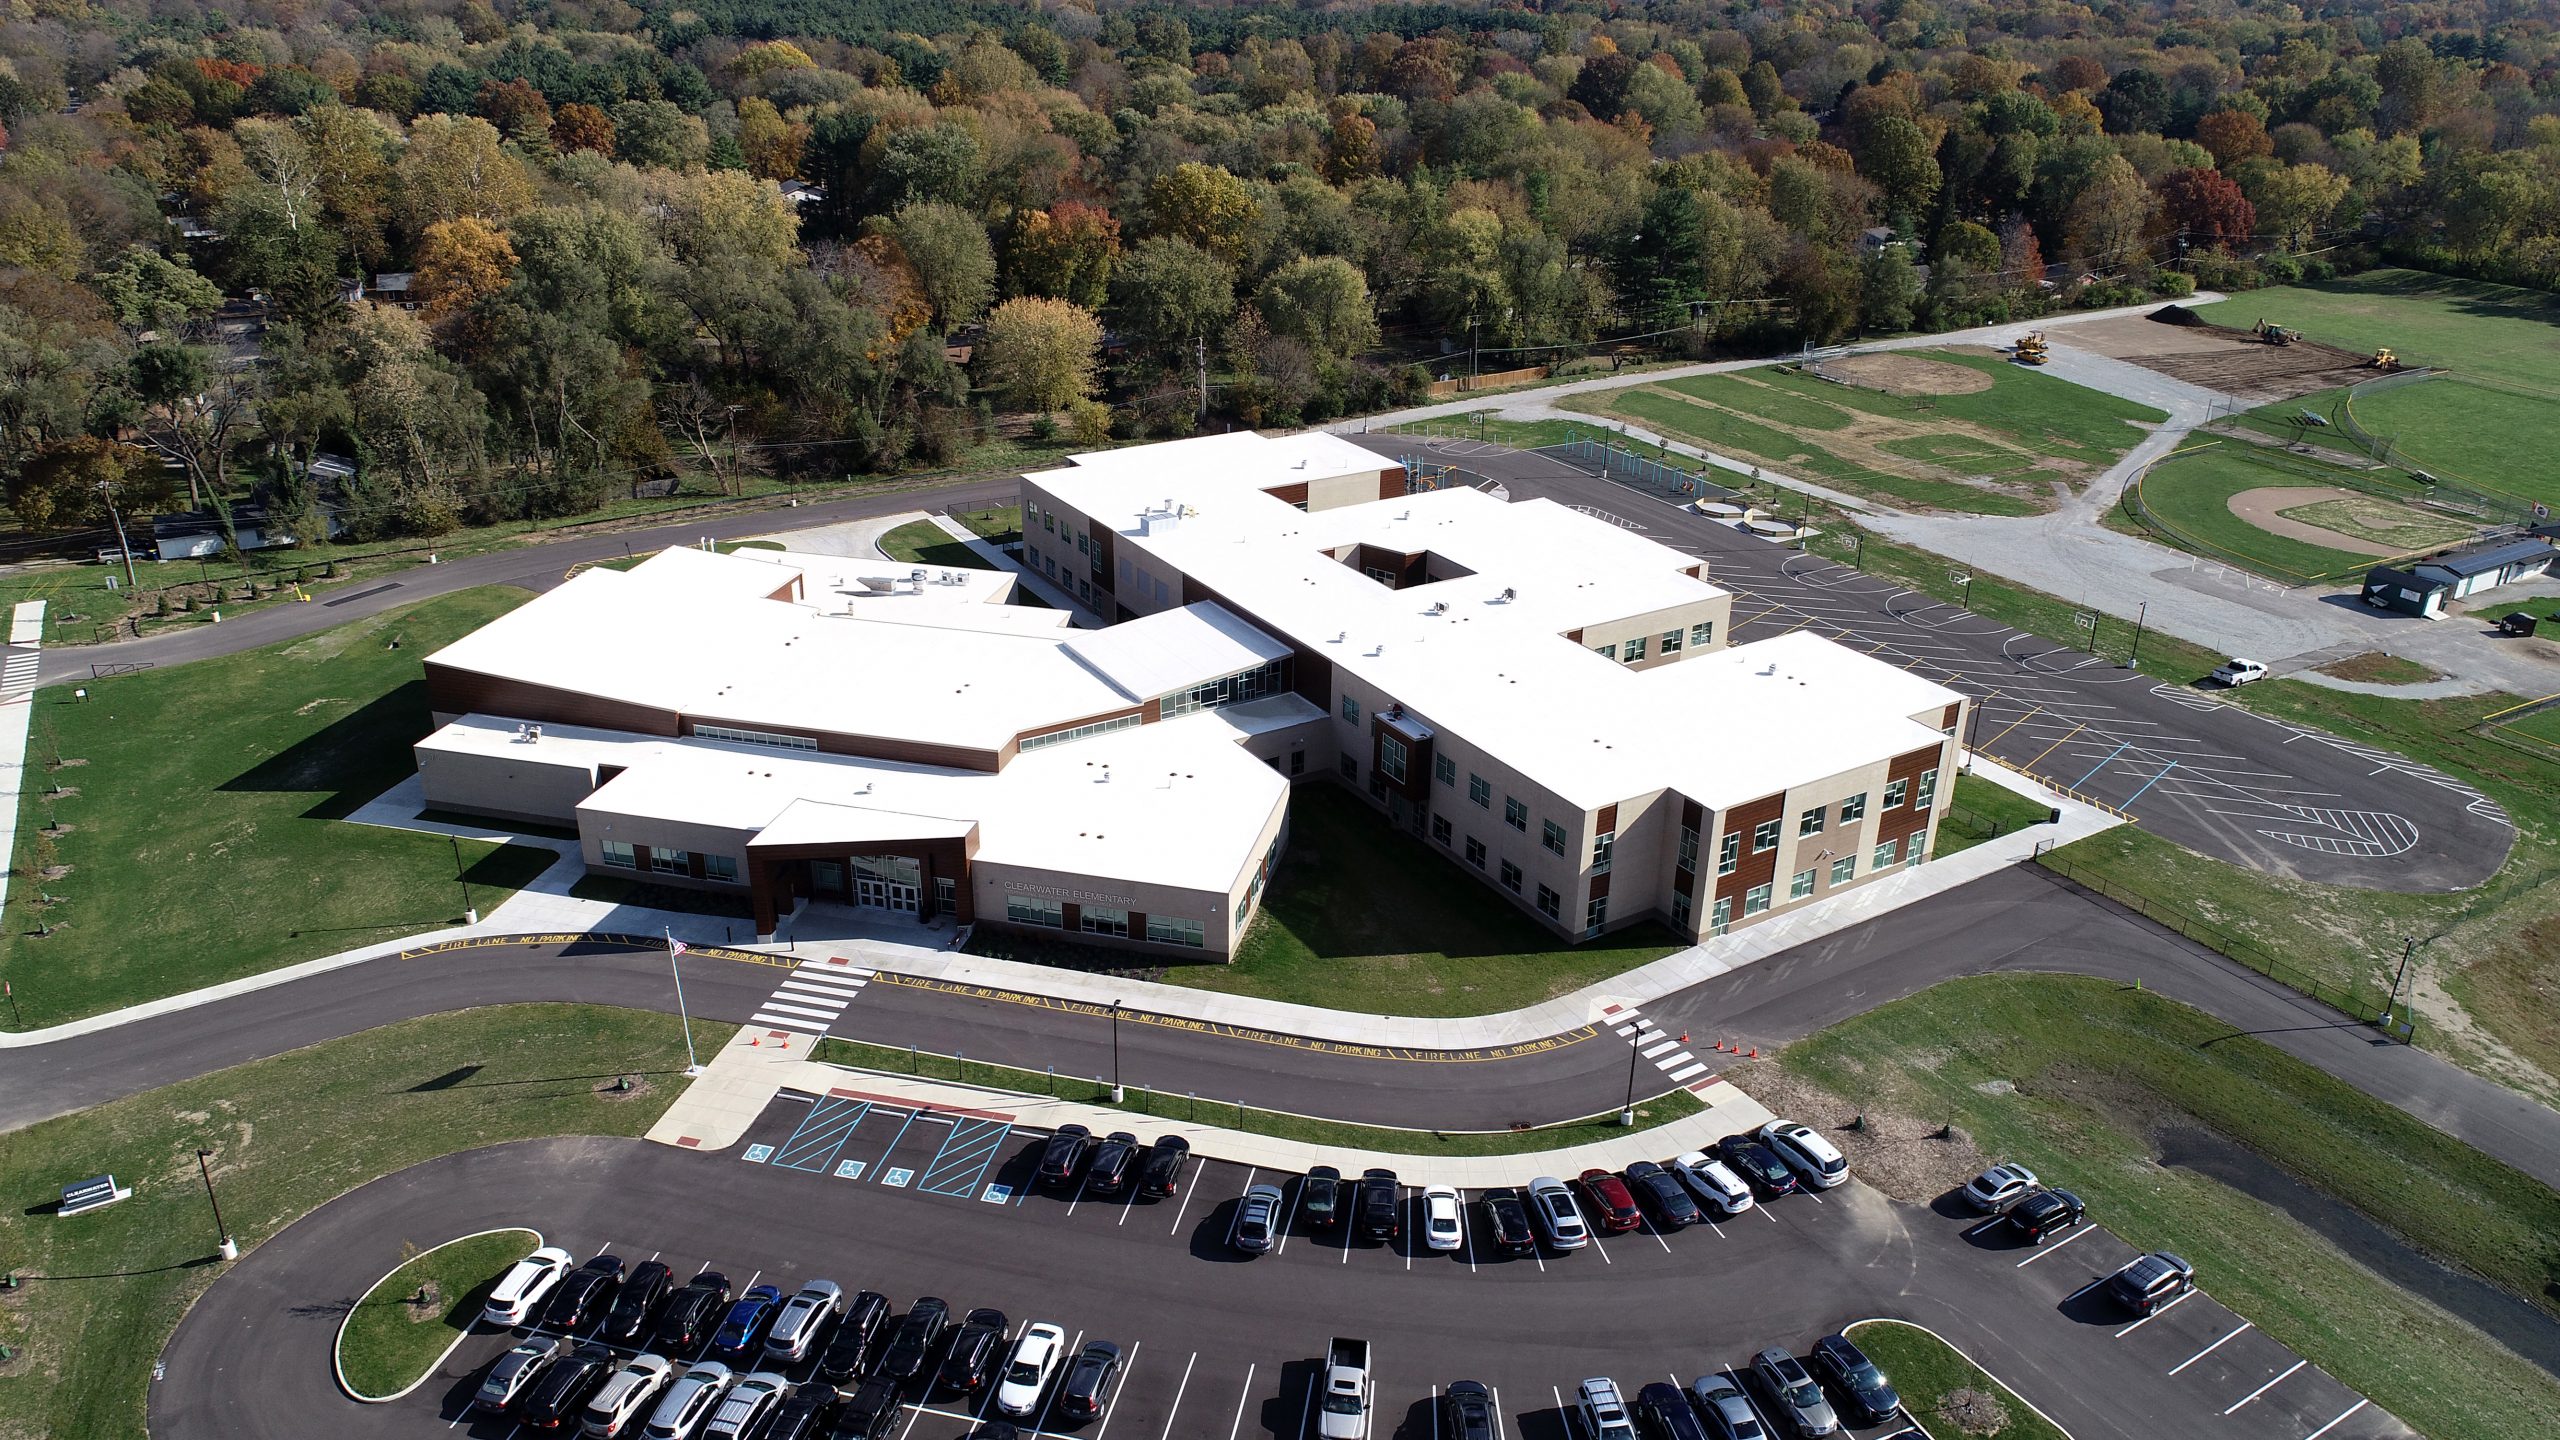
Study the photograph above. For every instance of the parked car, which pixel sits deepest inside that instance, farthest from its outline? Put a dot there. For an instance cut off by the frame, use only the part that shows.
(1467, 1411)
(2045, 1214)
(1161, 1177)
(688, 1402)
(1713, 1182)
(805, 1415)
(627, 1395)
(1790, 1394)
(1113, 1160)
(691, 1314)
(749, 1403)
(513, 1375)
(1602, 1413)
(561, 1395)
(1320, 1197)
(1063, 1156)
(871, 1413)
(1758, 1165)
(1998, 1188)
(1027, 1371)
(1506, 1223)
(2236, 671)
(1869, 1397)
(2151, 1281)
(583, 1295)
(803, 1322)
(1090, 1381)
(1558, 1217)
(848, 1351)
(525, 1284)
(1726, 1409)
(1662, 1197)
(912, 1345)
(1444, 1224)
(1611, 1203)
(1381, 1205)
(974, 1350)
(741, 1334)
(1662, 1413)
(1257, 1222)
(1816, 1161)
(647, 1287)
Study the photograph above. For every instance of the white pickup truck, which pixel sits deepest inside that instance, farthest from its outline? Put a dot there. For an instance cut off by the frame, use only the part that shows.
(1343, 1413)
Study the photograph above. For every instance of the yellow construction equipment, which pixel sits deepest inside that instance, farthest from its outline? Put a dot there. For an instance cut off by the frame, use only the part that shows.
(2030, 349)
(2383, 359)
(2274, 334)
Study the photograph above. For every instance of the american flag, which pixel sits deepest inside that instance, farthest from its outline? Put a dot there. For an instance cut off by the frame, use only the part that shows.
(676, 947)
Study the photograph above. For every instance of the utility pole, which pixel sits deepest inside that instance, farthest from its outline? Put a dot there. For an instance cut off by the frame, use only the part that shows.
(1200, 358)
(226, 1246)
(1475, 353)
(108, 489)
(2391, 1007)
(2136, 652)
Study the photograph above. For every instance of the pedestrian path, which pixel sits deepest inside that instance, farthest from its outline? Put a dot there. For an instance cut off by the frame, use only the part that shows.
(18, 671)
(810, 1002)
(1669, 1054)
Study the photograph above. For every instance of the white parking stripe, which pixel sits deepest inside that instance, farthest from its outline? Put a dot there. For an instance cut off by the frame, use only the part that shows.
(1126, 1367)
(2209, 1349)
(2049, 1249)
(1177, 1395)
(1178, 1210)
(2156, 1314)
(2341, 1420)
(2270, 1385)
(1288, 1218)
(1241, 1397)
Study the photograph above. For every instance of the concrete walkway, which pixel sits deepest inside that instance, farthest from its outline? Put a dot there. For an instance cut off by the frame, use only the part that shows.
(19, 666)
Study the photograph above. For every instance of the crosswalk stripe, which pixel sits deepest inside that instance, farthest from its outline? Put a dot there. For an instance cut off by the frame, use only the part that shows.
(1682, 1076)
(815, 993)
(844, 984)
(1651, 1051)
(783, 1022)
(812, 1011)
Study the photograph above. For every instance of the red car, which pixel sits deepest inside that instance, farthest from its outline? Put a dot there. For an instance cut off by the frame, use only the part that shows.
(1611, 1203)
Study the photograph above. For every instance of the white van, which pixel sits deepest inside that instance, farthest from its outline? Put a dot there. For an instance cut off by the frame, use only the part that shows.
(1816, 1161)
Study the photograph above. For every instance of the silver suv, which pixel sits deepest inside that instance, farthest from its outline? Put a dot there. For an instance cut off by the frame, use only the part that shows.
(1602, 1412)
(1792, 1395)
(803, 1320)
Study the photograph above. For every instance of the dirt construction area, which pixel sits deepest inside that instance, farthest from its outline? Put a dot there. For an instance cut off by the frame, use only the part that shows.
(1906, 375)
(2233, 362)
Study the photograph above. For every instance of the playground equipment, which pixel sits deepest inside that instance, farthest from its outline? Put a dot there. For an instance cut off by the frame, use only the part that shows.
(2274, 334)
(2030, 349)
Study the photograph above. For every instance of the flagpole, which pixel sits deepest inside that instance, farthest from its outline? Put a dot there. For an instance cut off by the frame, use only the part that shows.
(691, 1065)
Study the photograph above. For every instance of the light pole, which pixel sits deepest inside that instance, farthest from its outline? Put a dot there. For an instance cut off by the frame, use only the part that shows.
(1965, 579)
(2391, 1006)
(1635, 1052)
(117, 518)
(228, 1247)
(2136, 652)
(1116, 1092)
(470, 912)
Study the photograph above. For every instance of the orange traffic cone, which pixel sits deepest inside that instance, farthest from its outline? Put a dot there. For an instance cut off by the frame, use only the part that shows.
(755, 1041)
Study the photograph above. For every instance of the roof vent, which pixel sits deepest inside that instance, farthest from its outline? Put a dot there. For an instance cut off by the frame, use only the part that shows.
(1439, 607)
(1508, 595)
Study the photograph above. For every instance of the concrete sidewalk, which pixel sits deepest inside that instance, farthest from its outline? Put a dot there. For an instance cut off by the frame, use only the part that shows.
(19, 665)
(756, 1065)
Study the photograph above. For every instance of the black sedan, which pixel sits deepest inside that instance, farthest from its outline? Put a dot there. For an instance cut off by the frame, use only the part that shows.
(849, 1349)
(1113, 1159)
(911, 1348)
(1090, 1381)
(691, 1313)
(559, 1397)
(1468, 1408)
(1063, 1156)
(974, 1351)
(627, 1323)
(1506, 1223)
(1664, 1200)
(584, 1293)
(1758, 1165)
(1161, 1177)
(1381, 1205)
(1320, 1197)
(1865, 1394)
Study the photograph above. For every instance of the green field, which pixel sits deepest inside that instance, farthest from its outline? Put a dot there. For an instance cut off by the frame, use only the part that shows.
(1985, 811)
(1727, 433)
(2187, 496)
(201, 810)
(288, 1134)
(1959, 452)
(1924, 1369)
(2040, 412)
(921, 542)
(2092, 1073)
(1749, 393)
(390, 1340)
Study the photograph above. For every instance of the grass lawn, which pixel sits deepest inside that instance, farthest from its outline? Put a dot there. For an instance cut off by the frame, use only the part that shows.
(2376, 668)
(2188, 497)
(2098, 1070)
(1959, 452)
(288, 1134)
(922, 542)
(2492, 440)
(2467, 326)
(201, 810)
(1363, 918)
(2542, 725)
(1746, 393)
(388, 1341)
(1924, 1368)
(2040, 412)
(1985, 811)
(1662, 1109)
(1730, 434)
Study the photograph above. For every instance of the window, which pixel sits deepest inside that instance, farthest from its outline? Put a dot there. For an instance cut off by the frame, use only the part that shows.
(1104, 920)
(1703, 633)
(1475, 852)
(1440, 828)
(1350, 709)
(1884, 855)
(1670, 642)
(1550, 904)
(1174, 930)
(1444, 769)
(720, 867)
(1049, 564)
(671, 862)
(1729, 852)
(1853, 808)
(1894, 792)
(1720, 915)
(1098, 727)
(1754, 901)
(1810, 822)
(1515, 814)
(1595, 915)
(1928, 790)
(1049, 522)
(1480, 790)
(1844, 869)
(1604, 845)
(1084, 544)
(1266, 679)
(1764, 837)
(1801, 885)
(946, 893)
(754, 737)
(1635, 650)
(1689, 847)
(620, 855)
(1510, 877)
(1030, 910)
(1551, 835)
(1608, 652)
(1297, 762)
(1351, 769)
(1391, 757)
(1680, 910)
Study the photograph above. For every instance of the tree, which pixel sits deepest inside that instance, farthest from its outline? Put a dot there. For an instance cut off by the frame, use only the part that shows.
(1041, 352)
(149, 293)
(191, 411)
(459, 263)
(2208, 207)
(2232, 136)
(2293, 200)
(2105, 223)
(1172, 292)
(63, 485)
(938, 162)
(1066, 251)
(1322, 302)
(2134, 101)
(1351, 148)
(655, 135)
(518, 110)
(1206, 206)
(772, 145)
(2412, 82)
(1600, 86)
(578, 126)
(952, 258)
(458, 165)
(1888, 289)
(1901, 159)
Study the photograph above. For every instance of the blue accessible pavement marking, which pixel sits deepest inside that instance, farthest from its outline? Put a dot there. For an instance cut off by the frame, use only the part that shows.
(966, 1153)
(757, 1154)
(849, 1170)
(897, 1178)
(823, 1131)
(997, 1194)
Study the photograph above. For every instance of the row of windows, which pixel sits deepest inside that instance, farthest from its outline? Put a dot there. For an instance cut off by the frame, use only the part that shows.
(1800, 886)
(1702, 633)
(1269, 678)
(1106, 920)
(623, 856)
(754, 737)
(1060, 737)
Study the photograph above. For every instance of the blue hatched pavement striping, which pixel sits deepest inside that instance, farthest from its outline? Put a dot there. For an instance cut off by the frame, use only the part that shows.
(823, 1131)
(965, 1155)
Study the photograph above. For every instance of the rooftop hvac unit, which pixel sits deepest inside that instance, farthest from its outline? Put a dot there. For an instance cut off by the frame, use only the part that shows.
(1509, 595)
(1439, 607)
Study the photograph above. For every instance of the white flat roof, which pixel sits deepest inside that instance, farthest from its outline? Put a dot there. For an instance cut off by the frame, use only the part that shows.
(1174, 649)
(1109, 482)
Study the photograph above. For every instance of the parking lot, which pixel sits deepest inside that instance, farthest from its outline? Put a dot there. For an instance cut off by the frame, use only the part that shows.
(1221, 1345)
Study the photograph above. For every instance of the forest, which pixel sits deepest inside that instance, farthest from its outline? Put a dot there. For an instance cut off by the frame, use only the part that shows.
(513, 259)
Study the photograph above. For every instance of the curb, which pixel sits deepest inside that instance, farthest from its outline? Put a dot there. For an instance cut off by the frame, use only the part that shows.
(339, 1371)
(1958, 1352)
